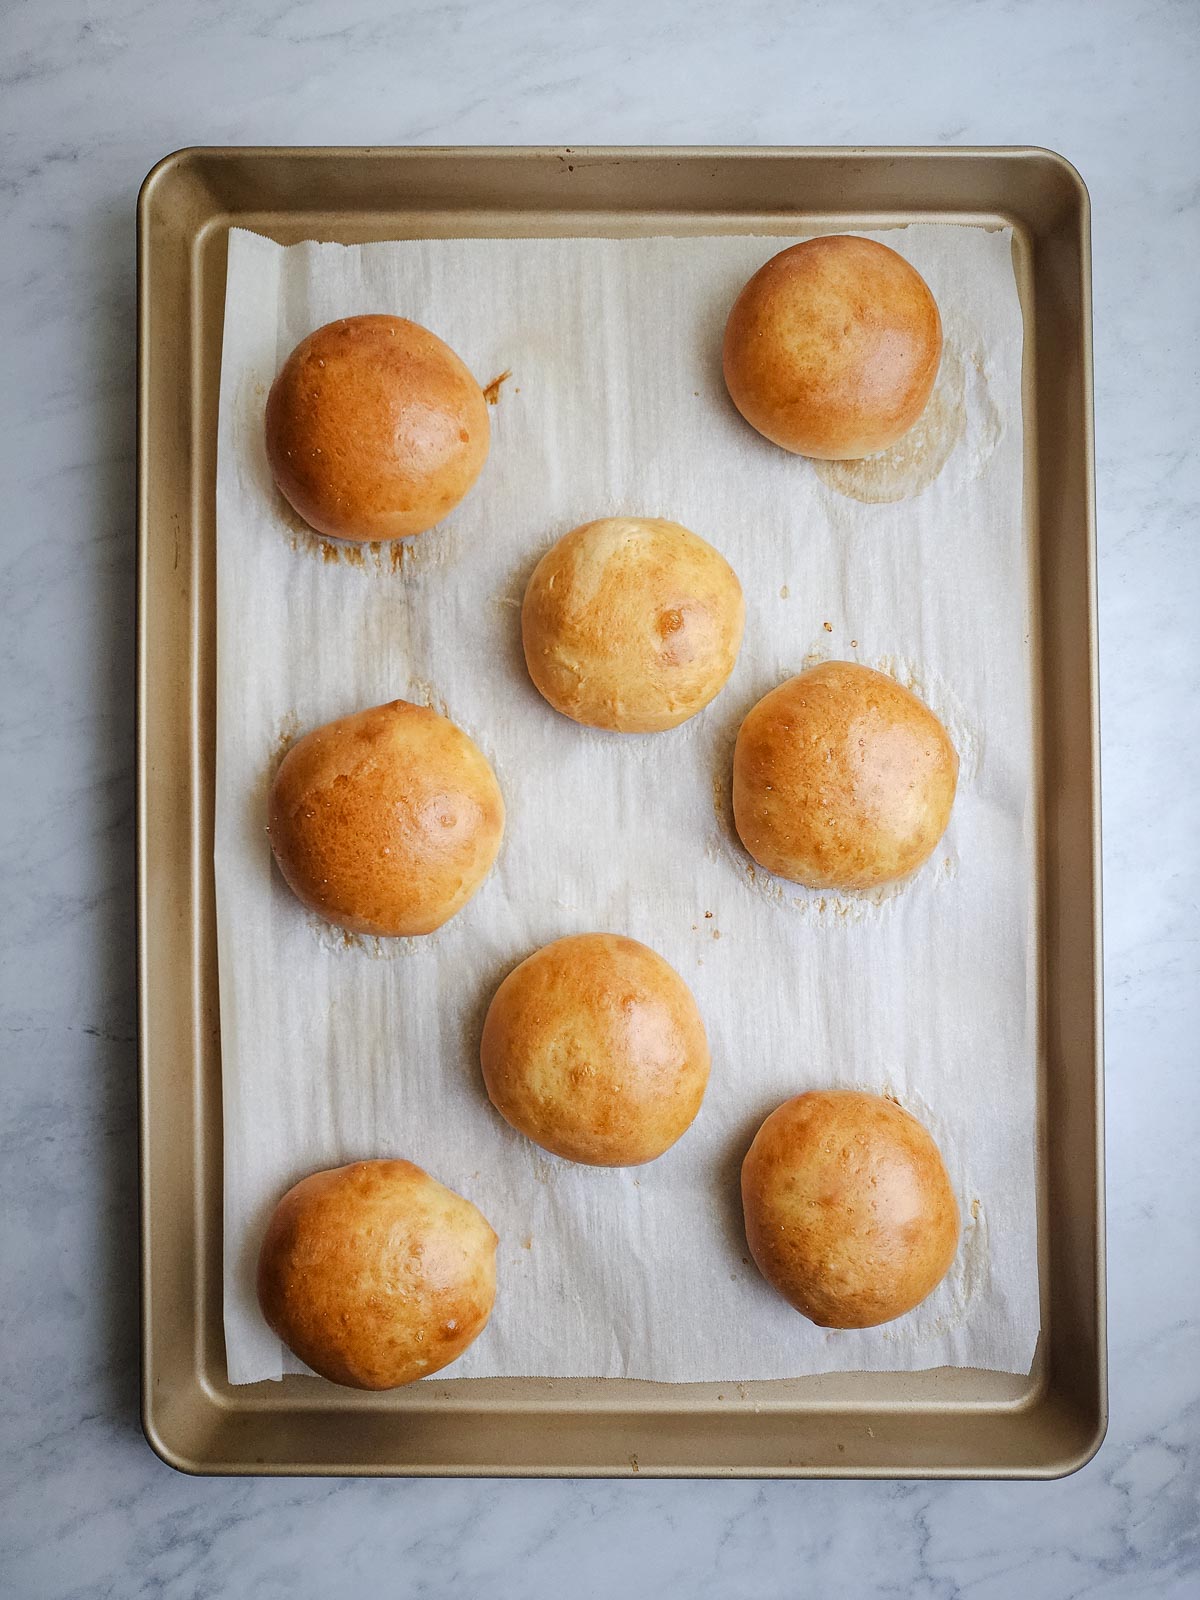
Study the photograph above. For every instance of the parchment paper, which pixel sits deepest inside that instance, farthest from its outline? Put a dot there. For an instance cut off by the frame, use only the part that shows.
(336, 1048)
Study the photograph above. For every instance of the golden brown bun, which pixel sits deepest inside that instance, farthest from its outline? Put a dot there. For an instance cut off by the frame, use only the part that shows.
(376, 1274)
(593, 1048)
(387, 821)
(842, 779)
(632, 624)
(832, 348)
(375, 429)
(849, 1212)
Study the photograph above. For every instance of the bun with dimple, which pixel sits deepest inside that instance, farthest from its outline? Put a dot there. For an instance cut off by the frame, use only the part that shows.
(631, 624)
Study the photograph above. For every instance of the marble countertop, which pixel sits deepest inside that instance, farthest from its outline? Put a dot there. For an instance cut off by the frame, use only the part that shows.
(93, 94)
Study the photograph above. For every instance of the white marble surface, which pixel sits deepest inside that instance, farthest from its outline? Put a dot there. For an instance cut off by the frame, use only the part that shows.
(90, 96)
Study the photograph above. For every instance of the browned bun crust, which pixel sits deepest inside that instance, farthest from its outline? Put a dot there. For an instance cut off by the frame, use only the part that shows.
(386, 822)
(832, 348)
(593, 1047)
(849, 1211)
(632, 624)
(375, 1274)
(375, 428)
(842, 779)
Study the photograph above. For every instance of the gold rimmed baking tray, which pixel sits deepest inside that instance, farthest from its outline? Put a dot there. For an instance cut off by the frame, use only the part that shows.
(948, 1423)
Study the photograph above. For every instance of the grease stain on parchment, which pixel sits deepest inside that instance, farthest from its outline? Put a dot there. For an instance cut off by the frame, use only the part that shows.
(966, 733)
(423, 552)
(286, 735)
(491, 391)
(340, 941)
(970, 1272)
(961, 420)
(422, 693)
(906, 468)
(287, 731)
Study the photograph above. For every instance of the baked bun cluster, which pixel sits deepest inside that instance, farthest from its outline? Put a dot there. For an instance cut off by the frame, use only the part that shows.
(386, 822)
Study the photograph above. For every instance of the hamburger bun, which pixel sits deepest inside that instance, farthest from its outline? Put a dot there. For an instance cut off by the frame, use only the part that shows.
(375, 1274)
(849, 1211)
(832, 348)
(594, 1049)
(842, 779)
(631, 624)
(385, 822)
(375, 429)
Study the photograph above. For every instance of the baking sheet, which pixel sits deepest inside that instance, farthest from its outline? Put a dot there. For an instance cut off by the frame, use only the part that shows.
(336, 1049)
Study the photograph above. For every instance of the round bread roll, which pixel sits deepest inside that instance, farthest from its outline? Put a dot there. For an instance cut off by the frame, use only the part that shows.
(632, 624)
(849, 1211)
(375, 429)
(832, 348)
(387, 821)
(376, 1274)
(594, 1049)
(842, 779)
